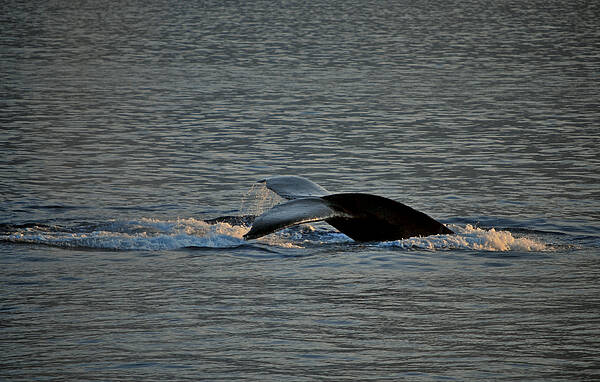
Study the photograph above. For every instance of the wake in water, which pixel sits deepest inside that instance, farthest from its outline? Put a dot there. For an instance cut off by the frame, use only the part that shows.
(158, 235)
(144, 234)
(228, 232)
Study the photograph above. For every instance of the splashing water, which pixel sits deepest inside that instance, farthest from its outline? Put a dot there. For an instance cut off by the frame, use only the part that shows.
(145, 234)
(258, 199)
(469, 237)
(153, 234)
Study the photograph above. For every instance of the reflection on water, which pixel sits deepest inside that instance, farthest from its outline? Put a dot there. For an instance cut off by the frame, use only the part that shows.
(482, 115)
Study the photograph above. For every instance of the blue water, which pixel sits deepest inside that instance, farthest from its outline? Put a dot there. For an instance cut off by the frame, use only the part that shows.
(126, 125)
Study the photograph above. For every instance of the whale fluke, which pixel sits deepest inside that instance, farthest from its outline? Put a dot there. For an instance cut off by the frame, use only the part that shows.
(362, 217)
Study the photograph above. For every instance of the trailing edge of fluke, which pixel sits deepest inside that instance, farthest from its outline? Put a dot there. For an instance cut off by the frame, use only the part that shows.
(362, 217)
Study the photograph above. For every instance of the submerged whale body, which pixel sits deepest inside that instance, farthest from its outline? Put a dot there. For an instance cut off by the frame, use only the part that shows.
(362, 217)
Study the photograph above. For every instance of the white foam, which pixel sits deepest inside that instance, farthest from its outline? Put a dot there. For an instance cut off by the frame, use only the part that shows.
(145, 234)
(469, 237)
(153, 234)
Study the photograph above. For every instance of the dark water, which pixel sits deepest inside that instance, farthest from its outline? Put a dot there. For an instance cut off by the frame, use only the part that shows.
(124, 125)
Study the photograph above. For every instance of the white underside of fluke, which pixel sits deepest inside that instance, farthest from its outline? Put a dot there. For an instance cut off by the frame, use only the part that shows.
(293, 187)
(297, 211)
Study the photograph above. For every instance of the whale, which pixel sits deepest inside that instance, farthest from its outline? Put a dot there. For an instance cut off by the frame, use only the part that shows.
(362, 217)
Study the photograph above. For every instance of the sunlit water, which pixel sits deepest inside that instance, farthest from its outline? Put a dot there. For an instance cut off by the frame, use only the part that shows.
(126, 124)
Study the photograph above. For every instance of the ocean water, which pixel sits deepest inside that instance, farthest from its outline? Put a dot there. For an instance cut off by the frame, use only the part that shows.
(125, 125)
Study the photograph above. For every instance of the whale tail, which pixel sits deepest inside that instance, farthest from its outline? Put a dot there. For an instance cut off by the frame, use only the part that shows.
(362, 217)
